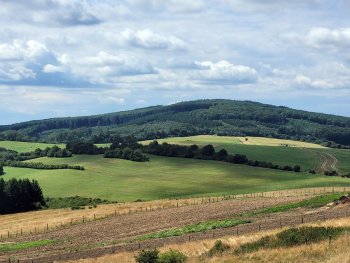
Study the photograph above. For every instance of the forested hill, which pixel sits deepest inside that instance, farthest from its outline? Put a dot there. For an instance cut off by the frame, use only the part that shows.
(221, 117)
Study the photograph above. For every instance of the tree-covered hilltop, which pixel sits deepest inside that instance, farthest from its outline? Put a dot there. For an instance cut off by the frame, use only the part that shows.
(221, 117)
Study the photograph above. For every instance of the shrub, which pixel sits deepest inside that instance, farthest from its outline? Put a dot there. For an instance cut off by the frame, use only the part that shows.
(147, 256)
(296, 168)
(172, 256)
(292, 237)
(219, 247)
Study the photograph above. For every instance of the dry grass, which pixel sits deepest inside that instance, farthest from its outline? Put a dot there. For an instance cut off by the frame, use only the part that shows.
(213, 139)
(54, 218)
(276, 142)
(335, 252)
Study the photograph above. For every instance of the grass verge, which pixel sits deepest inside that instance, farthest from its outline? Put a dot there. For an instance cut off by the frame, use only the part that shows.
(195, 228)
(8, 247)
(74, 202)
(314, 202)
(293, 237)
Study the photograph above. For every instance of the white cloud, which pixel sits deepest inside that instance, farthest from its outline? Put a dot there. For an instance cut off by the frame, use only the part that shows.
(322, 38)
(106, 68)
(49, 68)
(174, 6)
(24, 60)
(224, 71)
(329, 76)
(269, 5)
(62, 12)
(19, 50)
(148, 39)
(326, 38)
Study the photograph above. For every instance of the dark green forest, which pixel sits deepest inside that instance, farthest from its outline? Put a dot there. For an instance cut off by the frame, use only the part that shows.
(20, 196)
(221, 117)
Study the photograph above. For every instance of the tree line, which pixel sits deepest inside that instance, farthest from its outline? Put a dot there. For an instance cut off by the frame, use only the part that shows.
(208, 153)
(126, 147)
(221, 117)
(20, 196)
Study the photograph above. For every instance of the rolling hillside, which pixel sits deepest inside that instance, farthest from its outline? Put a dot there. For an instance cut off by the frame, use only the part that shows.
(164, 177)
(221, 117)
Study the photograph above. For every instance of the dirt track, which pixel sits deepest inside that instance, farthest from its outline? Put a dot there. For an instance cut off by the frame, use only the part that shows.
(89, 238)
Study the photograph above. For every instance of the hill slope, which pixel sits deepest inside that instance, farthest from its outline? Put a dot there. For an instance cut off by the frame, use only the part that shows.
(222, 117)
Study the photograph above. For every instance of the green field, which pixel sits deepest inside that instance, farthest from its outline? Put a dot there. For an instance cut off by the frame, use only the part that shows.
(162, 177)
(25, 146)
(307, 158)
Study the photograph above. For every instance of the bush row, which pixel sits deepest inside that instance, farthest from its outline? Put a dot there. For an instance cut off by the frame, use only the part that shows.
(127, 154)
(41, 165)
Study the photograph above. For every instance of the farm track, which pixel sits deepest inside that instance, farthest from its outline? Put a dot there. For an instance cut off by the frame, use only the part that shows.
(328, 162)
(85, 240)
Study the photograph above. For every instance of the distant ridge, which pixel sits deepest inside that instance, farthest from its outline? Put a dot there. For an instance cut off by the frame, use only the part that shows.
(218, 116)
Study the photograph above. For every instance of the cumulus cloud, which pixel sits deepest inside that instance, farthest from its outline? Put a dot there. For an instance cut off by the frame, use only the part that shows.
(24, 60)
(322, 38)
(224, 71)
(148, 39)
(326, 38)
(19, 50)
(329, 76)
(61, 12)
(175, 6)
(105, 67)
(268, 5)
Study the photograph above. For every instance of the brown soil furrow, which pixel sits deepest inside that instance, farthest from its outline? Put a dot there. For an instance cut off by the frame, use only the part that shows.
(126, 226)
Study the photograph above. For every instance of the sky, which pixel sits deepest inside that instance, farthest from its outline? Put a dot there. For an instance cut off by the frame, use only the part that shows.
(69, 58)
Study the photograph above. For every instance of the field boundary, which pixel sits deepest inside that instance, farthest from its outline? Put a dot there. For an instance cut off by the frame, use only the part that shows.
(282, 222)
(171, 204)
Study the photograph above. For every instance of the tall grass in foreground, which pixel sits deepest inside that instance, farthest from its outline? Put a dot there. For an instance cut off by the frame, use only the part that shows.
(197, 252)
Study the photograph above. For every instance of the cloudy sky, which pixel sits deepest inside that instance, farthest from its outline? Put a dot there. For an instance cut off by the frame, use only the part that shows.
(76, 57)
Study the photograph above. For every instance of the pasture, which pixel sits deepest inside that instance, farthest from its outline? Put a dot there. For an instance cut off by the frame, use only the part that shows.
(307, 155)
(26, 146)
(162, 177)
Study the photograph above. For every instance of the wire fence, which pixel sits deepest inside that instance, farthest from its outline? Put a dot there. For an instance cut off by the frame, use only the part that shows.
(259, 225)
(268, 224)
(173, 203)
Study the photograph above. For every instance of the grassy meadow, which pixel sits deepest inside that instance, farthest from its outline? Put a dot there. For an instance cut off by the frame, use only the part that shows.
(162, 177)
(25, 146)
(165, 177)
(307, 155)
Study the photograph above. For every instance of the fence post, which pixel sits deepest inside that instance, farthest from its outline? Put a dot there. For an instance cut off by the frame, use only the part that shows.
(302, 220)
(330, 240)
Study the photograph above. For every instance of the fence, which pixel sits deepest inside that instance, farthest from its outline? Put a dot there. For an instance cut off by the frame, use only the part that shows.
(173, 203)
(282, 222)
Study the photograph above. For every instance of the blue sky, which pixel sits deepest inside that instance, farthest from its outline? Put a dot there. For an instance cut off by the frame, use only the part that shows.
(70, 58)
